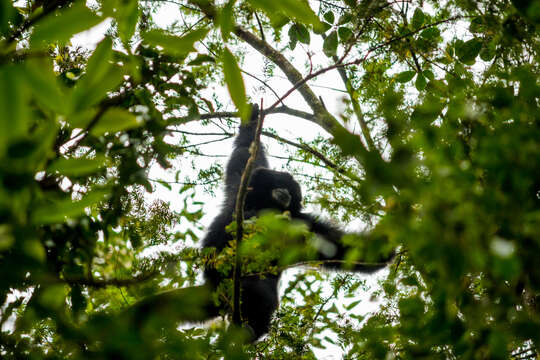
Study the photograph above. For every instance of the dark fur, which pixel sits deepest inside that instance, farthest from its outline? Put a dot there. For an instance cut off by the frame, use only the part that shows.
(260, 296)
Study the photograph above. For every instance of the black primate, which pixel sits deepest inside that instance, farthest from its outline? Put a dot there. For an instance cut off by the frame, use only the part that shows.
(268, 189)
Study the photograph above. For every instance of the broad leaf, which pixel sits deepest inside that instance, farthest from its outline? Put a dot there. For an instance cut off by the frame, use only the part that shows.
(235, 83)
(226, 20)
(293, 9)
(420, 82)
(417, 19)
(175, 45)
(344, 33)
(126, 18)
(329, 17)
(300, 33)
(90, 91)
(114, 120)
(44, 86)
(77, 166)
(468, 51)
(61, 27)
(405, 76)
(58, 211)
(14, 118)
(330, 44)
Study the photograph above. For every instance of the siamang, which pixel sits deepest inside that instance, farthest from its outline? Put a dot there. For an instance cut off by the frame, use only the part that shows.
(267, 189)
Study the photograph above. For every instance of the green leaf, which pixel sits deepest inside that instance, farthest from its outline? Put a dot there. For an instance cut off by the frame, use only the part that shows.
(330, 44)
(437, 87)
(175, 45)
(99, 62)
(43, 84)
(345, 18)
(6, 237)
(411, 307)
(352, 305)
(344, 33)
(235, 83)
(58, 211)
(477, 25)
(226, 20)
(201, 59)
(61, 27)
(417, 19)
(298, 32)
(323, 28)
(329, 17)
(488, 51)
(405, 76)
(127, 15)
(431, 33)
(293, 9)
(14, 118)
(115, 120)
(90, 90)
(429, 74)
(293, 37)
(468, 51)
(165, 184)
(77, 167)
(7, 15)
(425, 113)
(421, 82)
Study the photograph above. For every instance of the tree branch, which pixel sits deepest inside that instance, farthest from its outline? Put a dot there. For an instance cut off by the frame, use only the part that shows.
(101, 283)
(230, 114)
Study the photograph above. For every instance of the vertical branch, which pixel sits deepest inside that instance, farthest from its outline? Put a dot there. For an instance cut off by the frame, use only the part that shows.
(239, 211)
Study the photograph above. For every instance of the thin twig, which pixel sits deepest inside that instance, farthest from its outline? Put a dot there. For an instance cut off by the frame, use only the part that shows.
(302, 82)
(101, 283)
(240, 200)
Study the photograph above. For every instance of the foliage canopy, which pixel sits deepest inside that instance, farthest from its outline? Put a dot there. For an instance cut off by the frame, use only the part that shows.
(445, 164)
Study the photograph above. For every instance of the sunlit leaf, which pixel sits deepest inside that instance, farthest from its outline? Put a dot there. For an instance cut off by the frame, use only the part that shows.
(90, 90)
(13, 121)
(115, 120)
(43, 84)
(405, 76)
(7, 15)
(201, 59)
(63, 25)
(294, 9)
(126, 17)
(99, 62)
(58, 211)
(226, 19)
(421, 82)
(175, 45)
(77, 166)
(235, 83)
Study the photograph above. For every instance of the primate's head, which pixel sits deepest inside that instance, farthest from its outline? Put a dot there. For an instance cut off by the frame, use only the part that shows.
(270, 189)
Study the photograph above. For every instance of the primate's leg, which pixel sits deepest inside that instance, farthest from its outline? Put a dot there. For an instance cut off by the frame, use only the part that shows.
(259, 301)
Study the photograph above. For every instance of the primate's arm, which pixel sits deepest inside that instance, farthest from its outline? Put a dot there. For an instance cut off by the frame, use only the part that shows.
(332, 251)
(240, 154)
